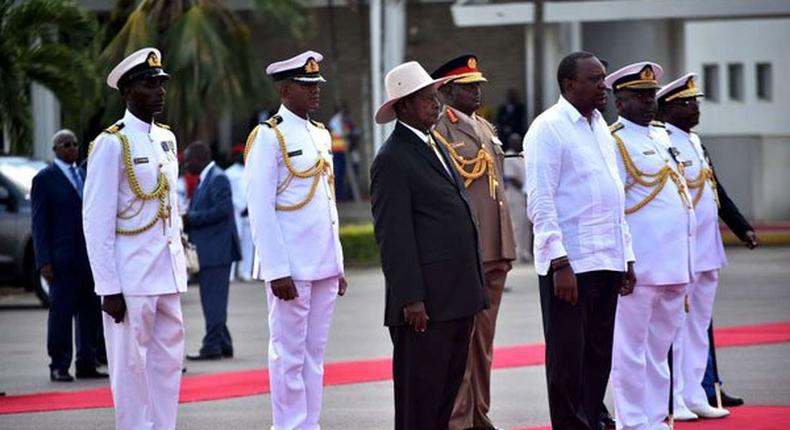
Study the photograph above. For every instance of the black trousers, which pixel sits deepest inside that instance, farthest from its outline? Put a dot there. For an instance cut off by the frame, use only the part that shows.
(579, 347)
(71, 298)
(427, 370)
(214, 289)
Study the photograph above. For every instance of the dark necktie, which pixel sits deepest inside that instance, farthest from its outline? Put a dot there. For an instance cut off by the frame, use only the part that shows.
(77, 179)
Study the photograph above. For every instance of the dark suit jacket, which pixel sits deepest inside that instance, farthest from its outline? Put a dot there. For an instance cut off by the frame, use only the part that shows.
(212, 227)
(426, 232)
(56, 209)
(728, 211)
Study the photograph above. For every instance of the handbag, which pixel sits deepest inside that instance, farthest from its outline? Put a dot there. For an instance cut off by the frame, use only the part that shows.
(191, 256)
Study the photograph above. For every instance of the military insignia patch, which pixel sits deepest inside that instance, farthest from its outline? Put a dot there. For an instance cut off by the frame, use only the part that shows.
(472, 63)
(311, 66)
(647, 74)
(153, 60)
(295, 153)
(168, 146)
(141, 160)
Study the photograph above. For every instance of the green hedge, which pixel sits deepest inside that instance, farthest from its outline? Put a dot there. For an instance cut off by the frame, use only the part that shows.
(359, 245)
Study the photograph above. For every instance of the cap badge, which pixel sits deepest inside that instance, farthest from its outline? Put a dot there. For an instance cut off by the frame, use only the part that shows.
(311, 66)
(691, 84)
(472, 63)
(647, 74)
(153, 60)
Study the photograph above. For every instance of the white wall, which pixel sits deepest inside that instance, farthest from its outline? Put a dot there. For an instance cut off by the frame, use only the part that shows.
(747, 42)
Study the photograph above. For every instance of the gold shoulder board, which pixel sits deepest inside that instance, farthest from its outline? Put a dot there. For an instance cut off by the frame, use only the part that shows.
(615, 127)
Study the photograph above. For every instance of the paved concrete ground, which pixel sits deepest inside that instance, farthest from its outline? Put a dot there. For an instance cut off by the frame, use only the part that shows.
(754, 288)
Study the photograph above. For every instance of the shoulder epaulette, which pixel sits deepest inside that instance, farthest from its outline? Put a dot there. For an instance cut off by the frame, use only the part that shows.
(165, 126)
(318, 124)
(115, 128)
(273, 121)
(615, 127)
(451, 116)
(658, 124)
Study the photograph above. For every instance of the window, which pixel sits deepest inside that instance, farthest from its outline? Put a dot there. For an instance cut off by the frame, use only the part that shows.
(765, 82)
(735, 81)
(710, 77)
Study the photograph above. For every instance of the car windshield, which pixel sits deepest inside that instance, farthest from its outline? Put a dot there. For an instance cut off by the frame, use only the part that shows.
(20, 171)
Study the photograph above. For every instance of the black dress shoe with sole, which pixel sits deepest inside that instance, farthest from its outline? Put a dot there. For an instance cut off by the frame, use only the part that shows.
(727, 401)
(60, 375)
(204, 357)
(91, 374)
(227, 354)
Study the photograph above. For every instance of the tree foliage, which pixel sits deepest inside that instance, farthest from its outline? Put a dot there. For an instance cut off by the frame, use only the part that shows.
(205, 47)
(48, 42)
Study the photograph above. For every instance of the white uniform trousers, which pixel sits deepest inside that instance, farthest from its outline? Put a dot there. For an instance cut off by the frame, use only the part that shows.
(145, 355)
(645, 325)
(690, 353)
(298, 331)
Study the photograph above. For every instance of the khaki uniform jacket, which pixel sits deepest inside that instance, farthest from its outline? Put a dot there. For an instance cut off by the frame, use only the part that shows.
(465, 136)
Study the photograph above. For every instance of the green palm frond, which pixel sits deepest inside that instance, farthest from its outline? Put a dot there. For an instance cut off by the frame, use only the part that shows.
(44, 41)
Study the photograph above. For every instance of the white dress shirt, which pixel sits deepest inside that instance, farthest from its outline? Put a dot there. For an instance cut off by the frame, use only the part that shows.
(575, 197)
(709, 249)
(304, 243)
(428, 139)
(151, 262)
(664, 230)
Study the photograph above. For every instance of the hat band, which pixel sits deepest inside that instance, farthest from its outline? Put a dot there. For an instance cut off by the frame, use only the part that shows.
(687, 93)
(134, 75)
(637, 82)
(294, 73)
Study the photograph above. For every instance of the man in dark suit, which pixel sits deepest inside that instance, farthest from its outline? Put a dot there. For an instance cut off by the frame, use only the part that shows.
(212, 228)
(61, 257)
(430, 254)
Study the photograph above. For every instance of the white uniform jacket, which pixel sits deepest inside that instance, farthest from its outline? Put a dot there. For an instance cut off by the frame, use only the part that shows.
(303, 243)
(152, 261)
(664, 230)
(709, 248)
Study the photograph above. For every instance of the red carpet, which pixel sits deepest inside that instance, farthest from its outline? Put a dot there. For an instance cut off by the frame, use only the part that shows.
(252, 382)
(742, 418)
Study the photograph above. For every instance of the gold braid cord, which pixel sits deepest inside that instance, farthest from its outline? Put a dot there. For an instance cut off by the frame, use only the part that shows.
(698, 183)
(160, 192)
(320, 168)
(657, 180)
(481, 164)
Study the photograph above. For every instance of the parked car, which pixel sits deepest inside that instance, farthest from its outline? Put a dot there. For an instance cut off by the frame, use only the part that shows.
(17, 262)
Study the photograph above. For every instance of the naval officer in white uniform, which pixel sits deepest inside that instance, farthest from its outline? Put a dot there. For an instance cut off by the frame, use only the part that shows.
(662, 224)
(679, 108)
(133, 234)
(293, 216)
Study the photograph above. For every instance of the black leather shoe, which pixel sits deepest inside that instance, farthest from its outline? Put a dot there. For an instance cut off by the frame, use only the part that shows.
(91, 374)
(727, 401)
(227, 354)
(60, 375)
(204, 357)
(606, 420)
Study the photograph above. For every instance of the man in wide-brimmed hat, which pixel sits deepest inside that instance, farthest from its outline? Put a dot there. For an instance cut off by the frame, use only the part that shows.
(430, 253)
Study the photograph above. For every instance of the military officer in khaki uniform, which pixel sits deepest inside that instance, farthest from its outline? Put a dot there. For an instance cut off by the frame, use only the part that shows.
(477, 155)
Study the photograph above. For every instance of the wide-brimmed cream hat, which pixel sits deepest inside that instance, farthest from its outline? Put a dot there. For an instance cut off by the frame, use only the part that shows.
(403, 80)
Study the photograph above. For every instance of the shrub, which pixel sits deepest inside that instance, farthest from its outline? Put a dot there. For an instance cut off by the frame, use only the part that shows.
(359, 245)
